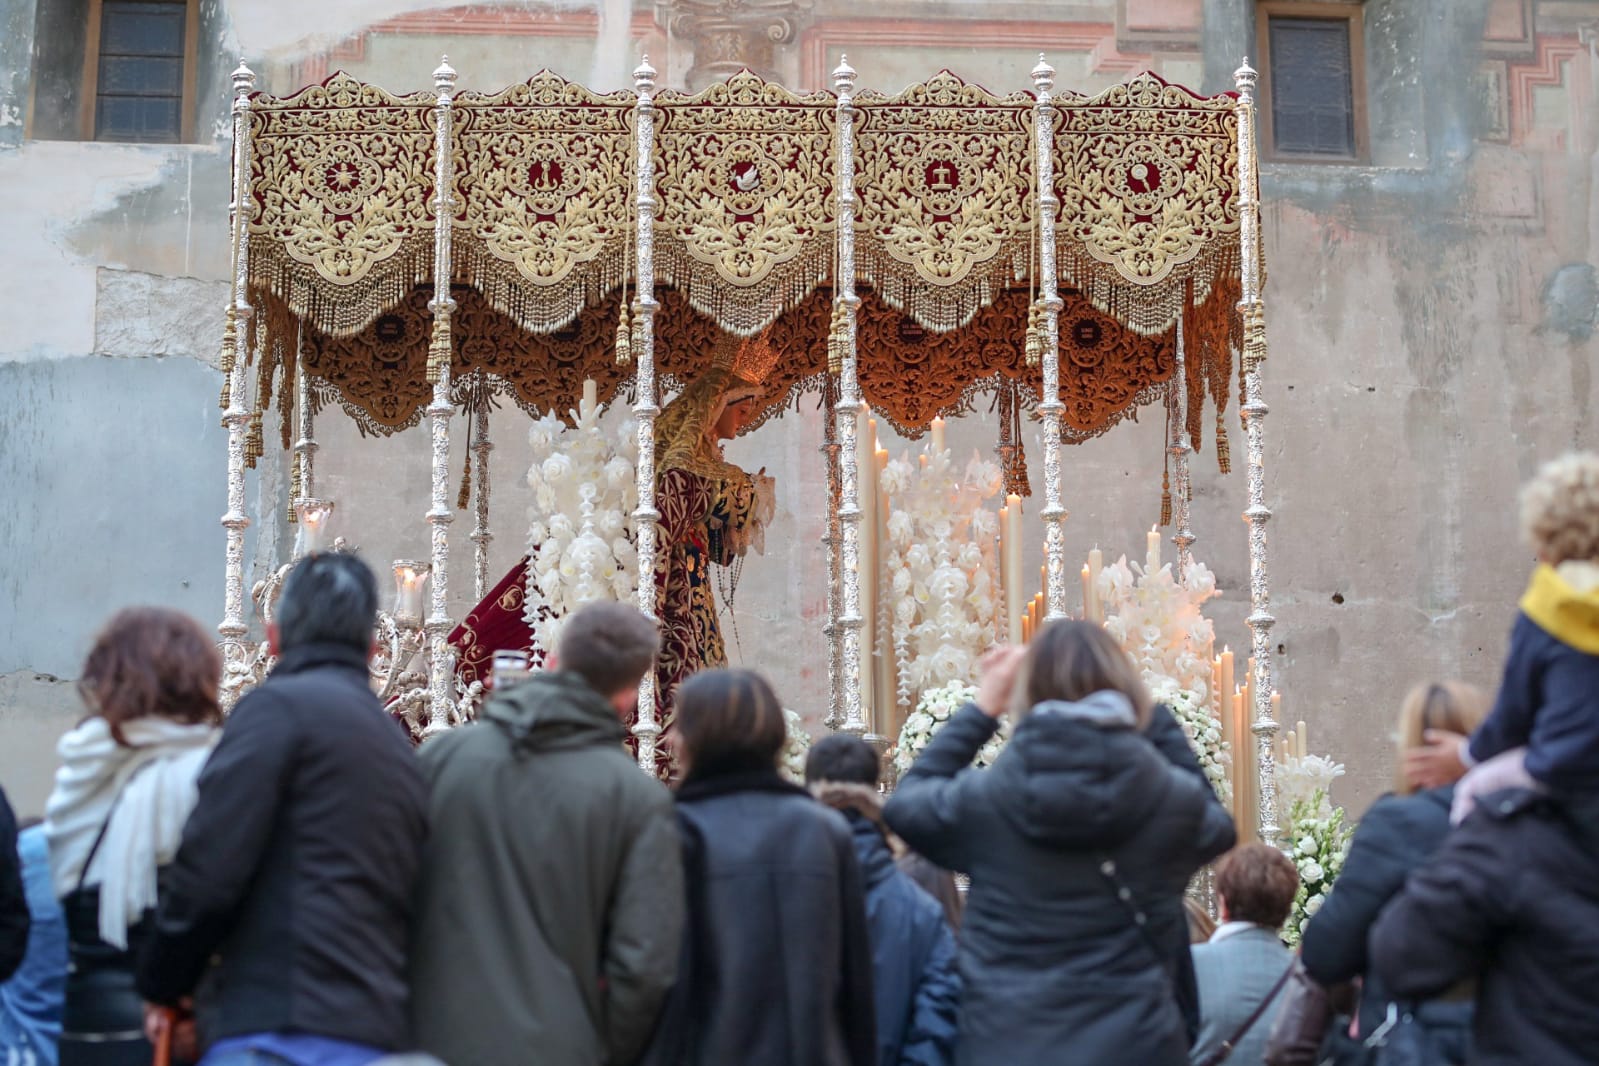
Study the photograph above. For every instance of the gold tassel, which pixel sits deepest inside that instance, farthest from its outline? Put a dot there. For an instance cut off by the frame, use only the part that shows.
(624, 337)
(1034, 349)
(1224, 456)
(296, 487)
(465, 496)
(230, 354)
(253, 448)
(1254, 336)
(836, 343)
(1165, 495)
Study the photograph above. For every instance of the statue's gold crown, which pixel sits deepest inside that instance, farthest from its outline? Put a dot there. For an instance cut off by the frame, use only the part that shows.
(749, 360)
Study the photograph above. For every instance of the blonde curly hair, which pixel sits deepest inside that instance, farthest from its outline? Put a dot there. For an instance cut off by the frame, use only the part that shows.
(1560, 509)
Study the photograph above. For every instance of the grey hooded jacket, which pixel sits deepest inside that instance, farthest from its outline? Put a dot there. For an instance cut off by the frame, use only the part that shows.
(551, 903)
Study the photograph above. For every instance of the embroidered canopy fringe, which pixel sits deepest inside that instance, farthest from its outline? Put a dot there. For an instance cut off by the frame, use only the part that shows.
(340, 310)
(942, 306)
(1150, 309)
(536, 305)
(743, 310)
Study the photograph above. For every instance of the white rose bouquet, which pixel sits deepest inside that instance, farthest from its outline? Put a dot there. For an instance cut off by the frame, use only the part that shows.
(933, 711)
(1317, 840)
(579, 546)
(1193, 713)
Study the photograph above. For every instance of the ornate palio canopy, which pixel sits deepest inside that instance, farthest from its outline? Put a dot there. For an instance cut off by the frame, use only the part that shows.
(341, 235)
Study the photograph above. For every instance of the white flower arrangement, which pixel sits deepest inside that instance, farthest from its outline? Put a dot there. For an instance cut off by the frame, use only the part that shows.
(796, 746)
(1194, 714)
(936, 707)
(1317, 840)
(580, 548)
(1305, 779)
(1159, 622)
(940, 569)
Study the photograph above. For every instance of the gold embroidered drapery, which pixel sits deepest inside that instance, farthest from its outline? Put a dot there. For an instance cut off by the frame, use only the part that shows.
(1147, 175)
(544, 184)
(744, 174)
(341, 236)
(946, 175)
(909, 374)
(340, 220)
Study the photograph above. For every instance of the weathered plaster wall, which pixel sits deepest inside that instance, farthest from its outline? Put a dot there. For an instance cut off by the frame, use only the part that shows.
(1431, 320)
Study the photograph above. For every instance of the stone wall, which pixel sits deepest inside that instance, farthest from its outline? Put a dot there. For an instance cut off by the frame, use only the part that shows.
(1431, 319)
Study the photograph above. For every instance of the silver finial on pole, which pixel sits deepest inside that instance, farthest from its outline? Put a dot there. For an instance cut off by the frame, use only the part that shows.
(644, 75)
(243, 79)
(444, 76)
(1043, 75)
(1246, 78)
(844, 75)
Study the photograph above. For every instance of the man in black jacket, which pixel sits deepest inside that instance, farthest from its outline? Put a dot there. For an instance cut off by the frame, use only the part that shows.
(287, 910)
(13, 901)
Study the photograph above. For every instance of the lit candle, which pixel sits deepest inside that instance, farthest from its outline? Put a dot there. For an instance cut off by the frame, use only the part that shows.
(923, 458)
(1247, 804)
(1015, 597)
(1225, 680)
(1153, 562)
(591, 394)
(938, 435)
(1215, 687)
(1096, 563)
(313, 515)
(1249, 693)
(409, 577)
(1088, 595)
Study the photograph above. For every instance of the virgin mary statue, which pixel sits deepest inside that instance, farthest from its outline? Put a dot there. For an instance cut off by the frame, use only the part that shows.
(712, 514)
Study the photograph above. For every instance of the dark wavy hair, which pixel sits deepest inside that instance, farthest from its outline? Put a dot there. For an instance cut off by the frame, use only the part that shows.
(729, 721)
(151, 662)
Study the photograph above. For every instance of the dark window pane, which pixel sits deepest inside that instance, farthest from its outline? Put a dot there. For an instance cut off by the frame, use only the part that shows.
(1312, 87)
(141, 76)
(137, 118)
(141, 28)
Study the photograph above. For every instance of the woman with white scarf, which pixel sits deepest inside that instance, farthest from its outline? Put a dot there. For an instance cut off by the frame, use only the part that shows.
(122, 794)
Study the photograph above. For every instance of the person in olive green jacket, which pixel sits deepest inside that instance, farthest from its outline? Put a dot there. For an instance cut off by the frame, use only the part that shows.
(551, 907)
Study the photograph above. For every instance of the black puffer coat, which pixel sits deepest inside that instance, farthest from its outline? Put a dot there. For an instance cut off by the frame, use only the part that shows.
(1053, 967)
(776, 967)
(1512, 900)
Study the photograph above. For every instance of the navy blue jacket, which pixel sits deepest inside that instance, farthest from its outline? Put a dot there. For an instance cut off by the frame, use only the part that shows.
(1512, 900)
(1396, 835)
(1547, 697)
(914, 980)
